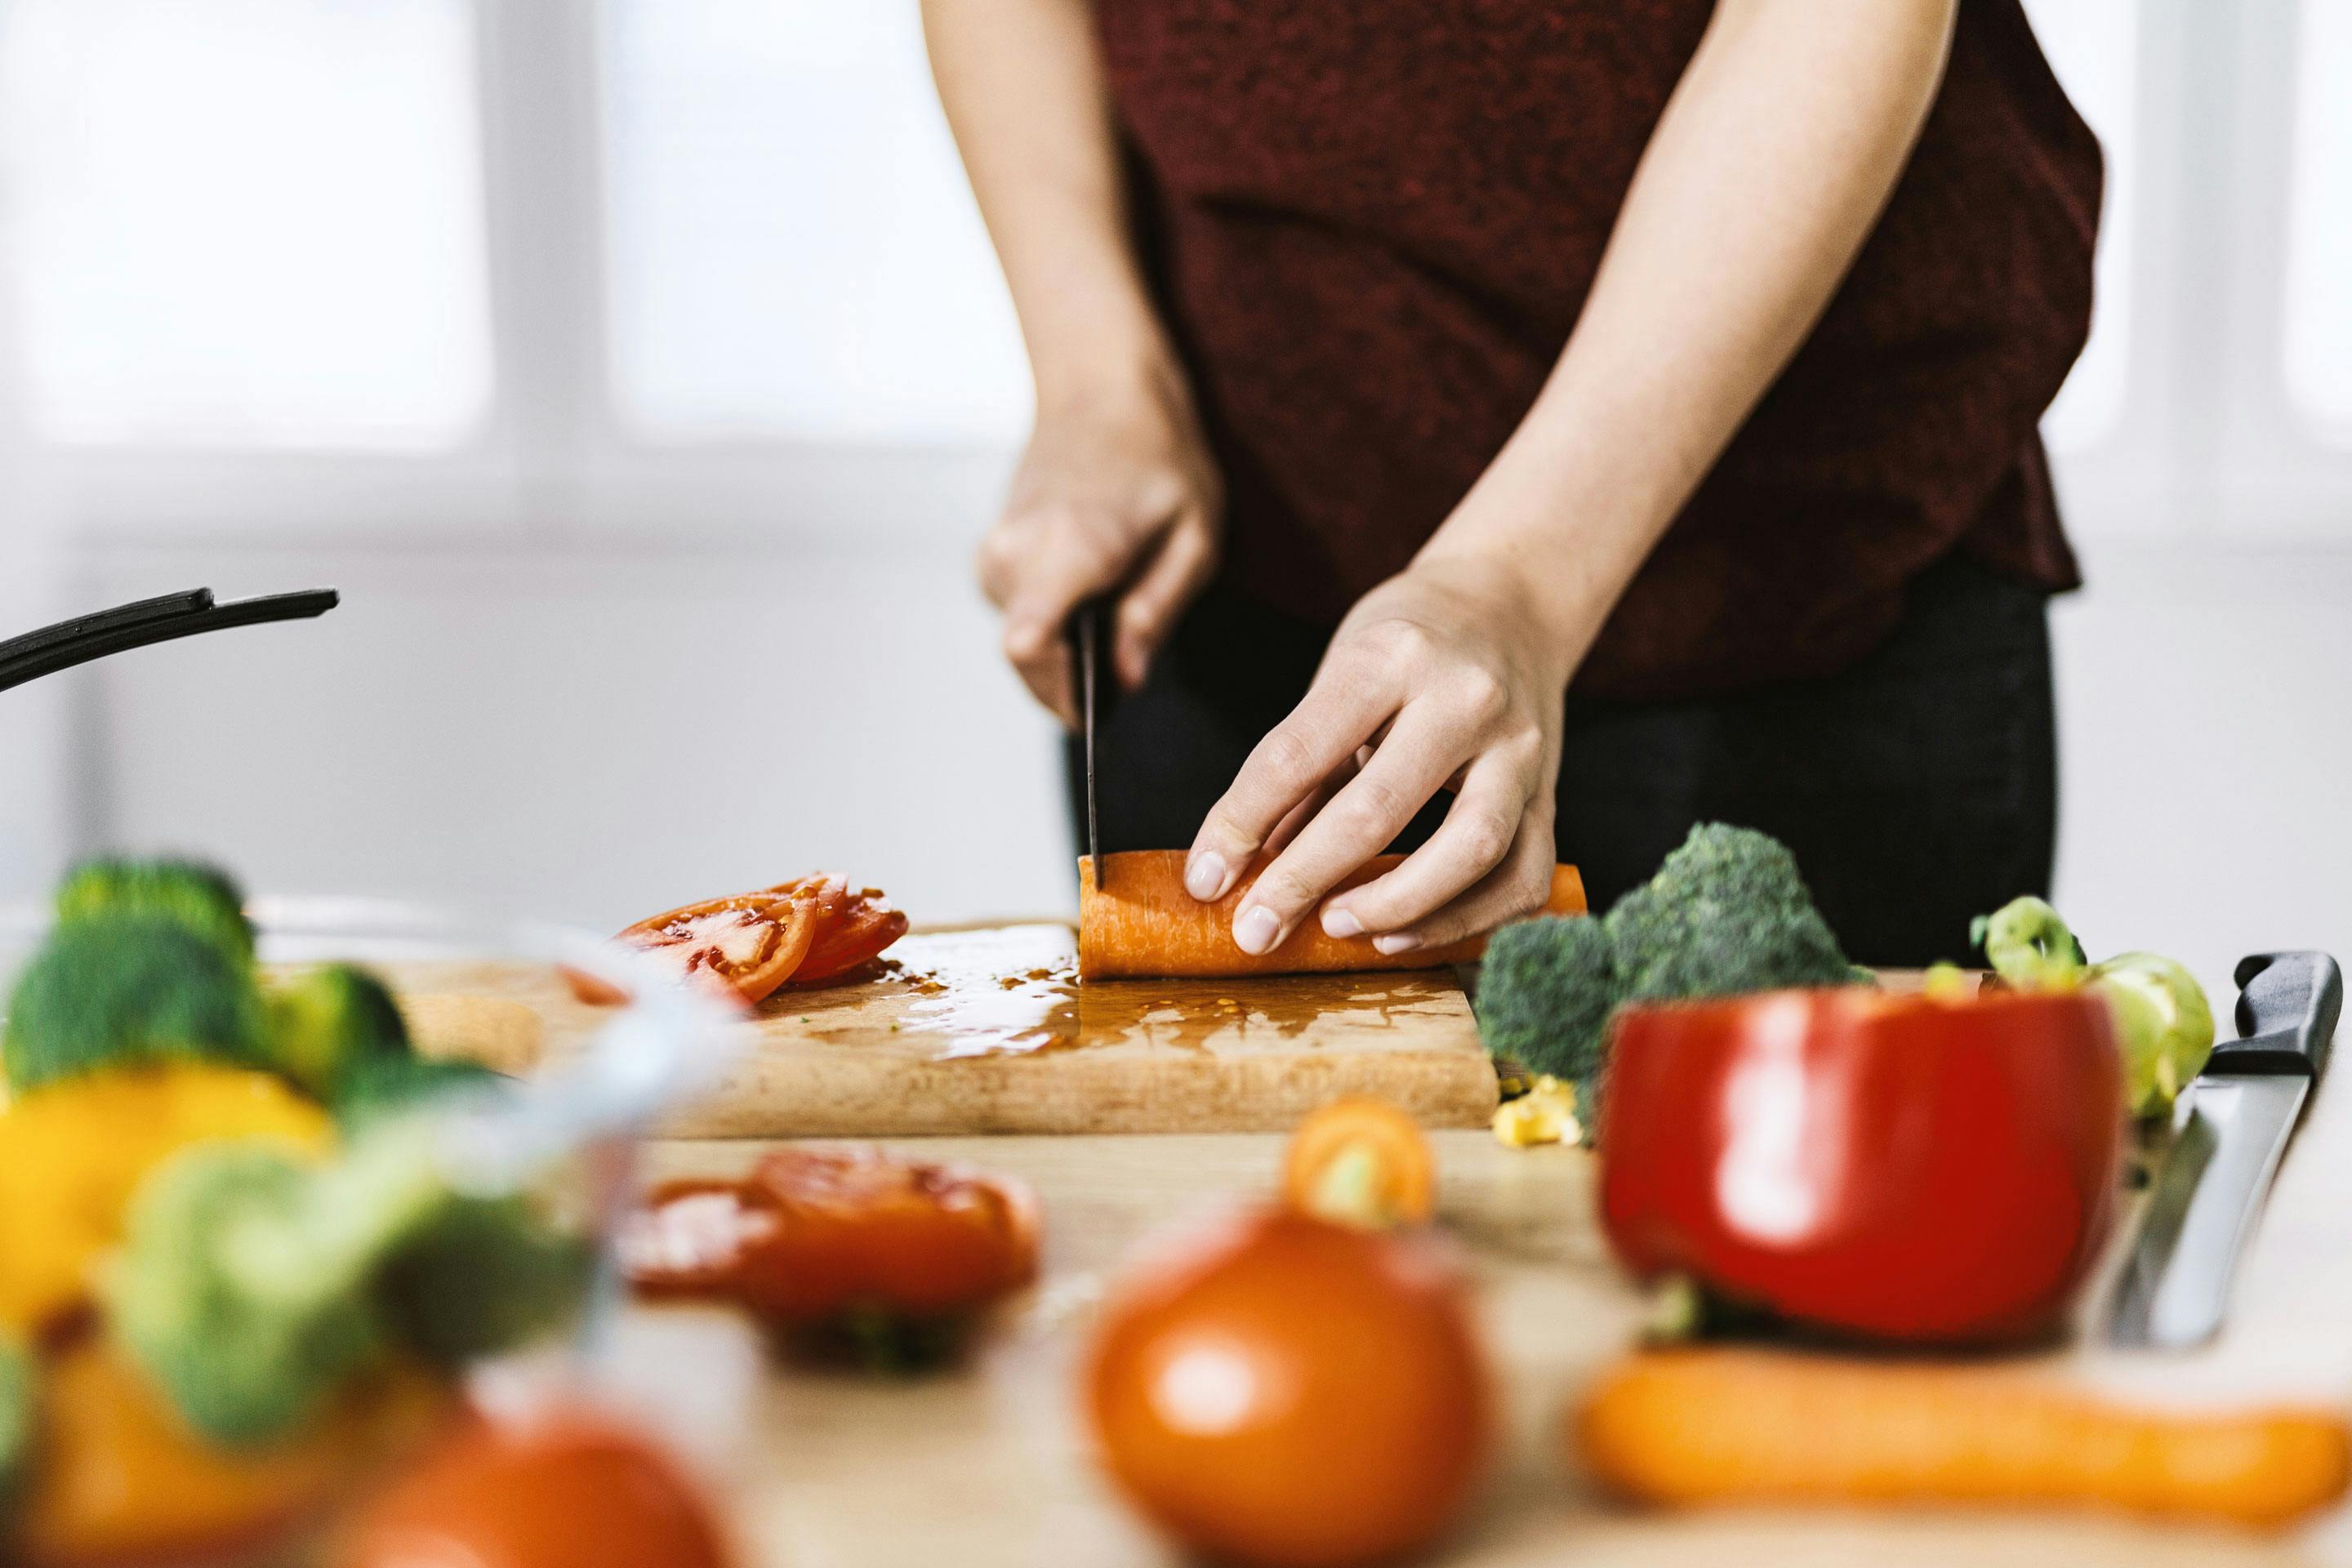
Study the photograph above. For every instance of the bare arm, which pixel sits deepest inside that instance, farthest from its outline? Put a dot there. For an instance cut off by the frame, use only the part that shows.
(1768, 170)
(1117, 488)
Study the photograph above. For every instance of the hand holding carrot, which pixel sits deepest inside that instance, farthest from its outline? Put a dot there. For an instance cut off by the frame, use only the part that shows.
(1445, 677)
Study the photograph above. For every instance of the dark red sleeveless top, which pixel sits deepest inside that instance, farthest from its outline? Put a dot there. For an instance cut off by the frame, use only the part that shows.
(1371, 222)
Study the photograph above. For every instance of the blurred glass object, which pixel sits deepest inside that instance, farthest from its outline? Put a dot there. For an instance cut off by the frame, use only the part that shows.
(795, 252)
(2094, 46)
(2318, 318)
(247, 223)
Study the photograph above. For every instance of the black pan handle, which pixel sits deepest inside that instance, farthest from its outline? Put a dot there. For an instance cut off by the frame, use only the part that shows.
(145, 622)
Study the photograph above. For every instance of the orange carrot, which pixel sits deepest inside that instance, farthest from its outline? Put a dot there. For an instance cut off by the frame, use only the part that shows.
(1360, 1161)
(1745, 1427)
(1142, 922)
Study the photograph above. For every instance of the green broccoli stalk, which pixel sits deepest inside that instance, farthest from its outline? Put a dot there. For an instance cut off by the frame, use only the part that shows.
(242, 1288)
(250, 1288)
(371, 1090)
(127, 988)
(328, 1023)
(2164, 1025)
(19, 1419)
(1726, 914)
(204, 899)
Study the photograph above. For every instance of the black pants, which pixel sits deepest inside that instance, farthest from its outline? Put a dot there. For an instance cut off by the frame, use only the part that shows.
(1918, 788)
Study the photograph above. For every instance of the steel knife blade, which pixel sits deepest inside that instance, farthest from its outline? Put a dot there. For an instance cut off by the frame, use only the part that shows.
(2240, 1111)
(1090, 635)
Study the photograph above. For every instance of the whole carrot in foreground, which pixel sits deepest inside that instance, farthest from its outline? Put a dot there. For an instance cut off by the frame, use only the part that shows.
(1742, 1425)
(1142, 922)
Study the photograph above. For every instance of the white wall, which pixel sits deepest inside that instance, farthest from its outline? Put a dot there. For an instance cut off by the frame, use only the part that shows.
(2205, 717)
(594, 735)
(591, 735)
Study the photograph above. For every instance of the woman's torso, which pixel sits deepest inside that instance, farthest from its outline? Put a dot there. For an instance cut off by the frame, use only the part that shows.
(1371, 224)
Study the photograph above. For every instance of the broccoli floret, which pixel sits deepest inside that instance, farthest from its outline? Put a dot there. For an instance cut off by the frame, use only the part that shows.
(20, 1411)
(489, 1275)
(371, 1090)
(328, 1023)
(1546, 990)
(202, 898)
(127, 988)
(251, 1286)
(234, 1297)
(1726, 914)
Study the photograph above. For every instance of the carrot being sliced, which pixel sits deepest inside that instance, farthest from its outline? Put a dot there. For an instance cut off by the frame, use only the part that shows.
(1143, 923)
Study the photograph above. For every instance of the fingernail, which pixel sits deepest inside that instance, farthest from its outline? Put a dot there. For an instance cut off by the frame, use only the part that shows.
(1396, 941)
(1204, 874)
(1254, 932)
(1341, 922)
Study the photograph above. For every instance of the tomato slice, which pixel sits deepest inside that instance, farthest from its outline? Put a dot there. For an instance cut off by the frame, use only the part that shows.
(818, 1232)
(854, 928)
(750, 943)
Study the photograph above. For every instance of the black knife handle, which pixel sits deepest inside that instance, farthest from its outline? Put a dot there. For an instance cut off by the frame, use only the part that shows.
(2287, 1007)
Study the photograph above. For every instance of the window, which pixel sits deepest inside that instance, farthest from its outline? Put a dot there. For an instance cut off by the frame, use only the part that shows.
(246, 223)
(2093, 45)
(2317, 317)
(793, 251)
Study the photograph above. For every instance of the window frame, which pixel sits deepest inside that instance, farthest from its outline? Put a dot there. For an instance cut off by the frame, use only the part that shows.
(2207, 441)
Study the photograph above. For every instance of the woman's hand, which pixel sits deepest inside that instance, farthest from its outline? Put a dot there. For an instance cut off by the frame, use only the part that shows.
(1114, 492)
(1446, 676)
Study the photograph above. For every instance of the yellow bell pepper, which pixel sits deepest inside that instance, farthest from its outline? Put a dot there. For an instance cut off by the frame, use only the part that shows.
(72, 1153)
(1545, 1114)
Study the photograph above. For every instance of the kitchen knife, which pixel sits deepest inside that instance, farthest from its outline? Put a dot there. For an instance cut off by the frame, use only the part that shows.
(2241, 1110)
(1090, 645)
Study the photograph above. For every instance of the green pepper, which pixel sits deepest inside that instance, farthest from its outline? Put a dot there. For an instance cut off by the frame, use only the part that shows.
(2164, 1025)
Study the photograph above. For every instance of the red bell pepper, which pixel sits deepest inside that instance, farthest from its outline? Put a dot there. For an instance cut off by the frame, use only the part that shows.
(1892, 1167)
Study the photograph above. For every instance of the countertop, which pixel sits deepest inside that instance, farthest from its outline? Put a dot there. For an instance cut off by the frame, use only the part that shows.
(986, 1465)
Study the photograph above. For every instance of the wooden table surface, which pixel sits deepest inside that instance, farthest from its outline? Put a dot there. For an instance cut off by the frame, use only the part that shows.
(986, 1465)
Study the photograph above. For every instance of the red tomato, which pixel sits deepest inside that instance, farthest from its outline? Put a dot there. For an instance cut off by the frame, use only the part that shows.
(1889, 1166)
(852, 928)
(750, 943)
(814, 1233)
(1294, 1391)
(568, 1492)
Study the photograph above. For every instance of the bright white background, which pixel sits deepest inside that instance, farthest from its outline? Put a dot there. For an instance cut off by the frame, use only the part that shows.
(639, 371)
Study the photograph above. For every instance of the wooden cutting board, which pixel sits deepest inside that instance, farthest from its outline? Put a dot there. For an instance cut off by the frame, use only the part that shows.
(987, 1030)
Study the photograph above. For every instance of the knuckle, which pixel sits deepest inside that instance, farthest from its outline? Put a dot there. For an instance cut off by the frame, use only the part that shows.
(1405, 642)
(1482, 694)
(1219, 830)
(1371, 808)
(1285, 756)
(1486, 841)
(1020, 642)
(1159, 493)
(1285, 888)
